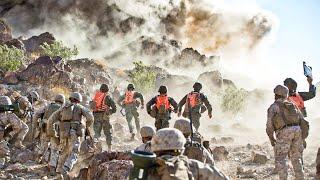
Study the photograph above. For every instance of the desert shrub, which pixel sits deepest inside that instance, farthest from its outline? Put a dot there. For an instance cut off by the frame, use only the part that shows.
(11, 58)
(58, 49)
(233, 100)
(143, 77)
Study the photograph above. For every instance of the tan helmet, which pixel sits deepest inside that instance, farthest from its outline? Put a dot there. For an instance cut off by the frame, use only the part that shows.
(76, 96)
(5, 100)
(34, 95)
(147, 131)
(59, 98)
(183, 125)
(168, 139)
(281, 91)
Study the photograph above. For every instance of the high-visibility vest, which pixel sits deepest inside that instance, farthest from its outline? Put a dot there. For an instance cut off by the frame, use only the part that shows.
(99, 100)
(128, 99)
(297, 100)
(163, 100)
(193, 99)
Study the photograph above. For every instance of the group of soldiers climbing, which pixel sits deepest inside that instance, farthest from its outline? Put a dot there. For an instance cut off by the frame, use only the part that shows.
(58, 128)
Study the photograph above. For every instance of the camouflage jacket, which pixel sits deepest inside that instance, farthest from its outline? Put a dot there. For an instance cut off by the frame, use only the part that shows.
(144, 147)
(10, 119)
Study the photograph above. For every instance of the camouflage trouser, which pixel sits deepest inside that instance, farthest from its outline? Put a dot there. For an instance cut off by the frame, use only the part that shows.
(54, 152)
(132, 112)
(69, 148)
(102, 121)
(44, 144)
(161, 123)
(289, 143)
(195, 116)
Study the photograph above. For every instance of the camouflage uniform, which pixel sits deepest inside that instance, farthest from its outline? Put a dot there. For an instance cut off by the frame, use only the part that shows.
(146, 132)
(288, 143)
(102, 121)
(171, 166)
(144, 147)
(132, 110)
(71, 130)
(195, 111)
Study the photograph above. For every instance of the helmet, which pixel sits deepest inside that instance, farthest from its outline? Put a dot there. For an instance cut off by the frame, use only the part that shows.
(76, 96)
(147, 131)
(290, 83)
(163, 89)
(168, 139)
(197, 86)
(281, 91)
(130, 87)
(104, 88)
(59, 98)
(34, 95)
(5, 100)
(183, 125)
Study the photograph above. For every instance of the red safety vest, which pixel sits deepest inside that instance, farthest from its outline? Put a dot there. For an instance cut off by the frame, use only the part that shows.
(193, 99)
(128, 99)
(99, 100)
(162, 100)
(297, 100)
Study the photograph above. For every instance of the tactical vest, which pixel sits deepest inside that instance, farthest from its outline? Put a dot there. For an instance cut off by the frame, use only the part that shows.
(162, 104)
(99, 102)
(129, 97)
(53, 107)
(71, 120)
(289, 115)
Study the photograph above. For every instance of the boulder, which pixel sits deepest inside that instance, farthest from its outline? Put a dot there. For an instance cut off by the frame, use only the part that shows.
(212, 78)
(128, 24)
(17, 43)
(33, 44)
(151, 48)
(10, 78)
(115, 169)
(23, 156)
(220, 153)
(259, 158)
(5, 32)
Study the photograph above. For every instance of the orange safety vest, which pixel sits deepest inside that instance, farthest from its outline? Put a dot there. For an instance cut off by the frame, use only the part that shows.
(128, 99)
(162, 100)
(99, 100)
(193, 99)
(297, 100)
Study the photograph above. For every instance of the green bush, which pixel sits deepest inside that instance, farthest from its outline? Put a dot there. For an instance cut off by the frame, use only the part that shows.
(233, 100)
(143, 77)
(58, 49)
(10, 58)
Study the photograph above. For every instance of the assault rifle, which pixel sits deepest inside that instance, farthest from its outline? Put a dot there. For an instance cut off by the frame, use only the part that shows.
(12, 108)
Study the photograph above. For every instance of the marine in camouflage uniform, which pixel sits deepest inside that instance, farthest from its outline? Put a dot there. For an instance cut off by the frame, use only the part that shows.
(193, 149)
(41, 118)
(71, 129)
(9, 119)
(288, 141)
(146, 132)
(160, 108)
(197, 103)
(102, 116)
(168, 144)
(129, 102)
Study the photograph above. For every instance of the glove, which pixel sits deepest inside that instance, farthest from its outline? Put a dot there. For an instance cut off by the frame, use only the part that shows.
(210, 115)
(7, 138)
(149, 112)
(309, 79)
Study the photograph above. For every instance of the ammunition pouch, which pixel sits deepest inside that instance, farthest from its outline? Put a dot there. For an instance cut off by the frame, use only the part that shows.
(77, 128)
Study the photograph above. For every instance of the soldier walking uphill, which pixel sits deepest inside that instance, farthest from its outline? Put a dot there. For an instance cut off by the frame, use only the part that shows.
(159, 108)
(103, 107)
(168, 144)
(284, 120)
(9, 119)
(193, 105)
(129, 102)
(41, 117)
(71, 128)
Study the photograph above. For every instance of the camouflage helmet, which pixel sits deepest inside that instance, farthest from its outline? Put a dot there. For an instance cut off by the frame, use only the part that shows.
(147, 131)
(130, 87)
(34, 95)
(5, 100)
(183, 125)
(281, 91)
(59, 98)
(168, 139)
(76, 95)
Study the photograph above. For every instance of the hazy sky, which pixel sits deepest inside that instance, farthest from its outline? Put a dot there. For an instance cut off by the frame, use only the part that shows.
(298, 35)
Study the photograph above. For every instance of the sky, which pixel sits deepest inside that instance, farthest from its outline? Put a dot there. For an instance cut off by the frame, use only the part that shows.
(297, 37)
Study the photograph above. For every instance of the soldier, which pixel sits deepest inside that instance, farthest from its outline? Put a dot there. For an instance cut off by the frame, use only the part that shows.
(193, 150)
(160, 108)
(43, 114)
(299, 97)
(7, 119)
(71, 127)
(103, 108)
(284, 119)
(193, 105)
(168, 144)
(146, 132)
(129, 102)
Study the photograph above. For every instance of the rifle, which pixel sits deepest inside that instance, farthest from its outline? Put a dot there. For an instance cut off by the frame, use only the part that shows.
(12, 108)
